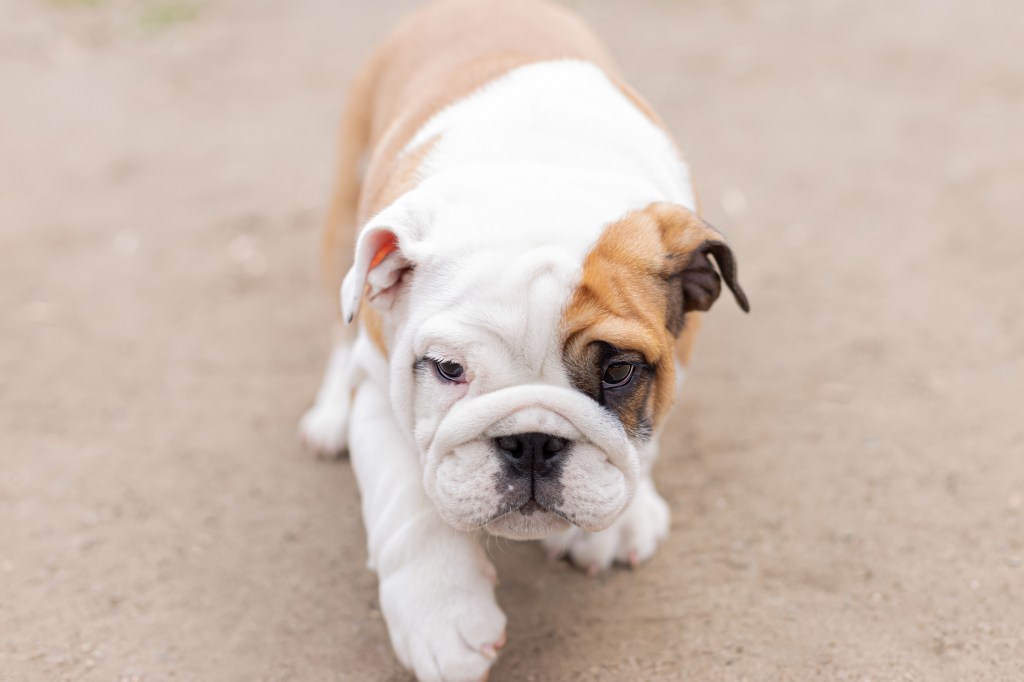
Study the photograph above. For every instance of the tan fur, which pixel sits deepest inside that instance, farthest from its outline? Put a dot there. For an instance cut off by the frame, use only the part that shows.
(371, 321)
(622, 298)
(687, 338)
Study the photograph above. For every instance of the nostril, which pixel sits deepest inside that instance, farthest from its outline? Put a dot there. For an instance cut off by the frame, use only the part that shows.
(553, 446)
(512, 445)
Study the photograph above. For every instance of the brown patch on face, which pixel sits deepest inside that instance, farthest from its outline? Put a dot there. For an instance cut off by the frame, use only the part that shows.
(633, 402)
(641, 285)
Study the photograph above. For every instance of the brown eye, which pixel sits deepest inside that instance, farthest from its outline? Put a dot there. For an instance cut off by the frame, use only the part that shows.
(449, 371)
(617, 374)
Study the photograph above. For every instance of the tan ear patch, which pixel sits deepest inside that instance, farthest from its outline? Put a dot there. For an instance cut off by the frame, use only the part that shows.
(641, 283)
(370, 320)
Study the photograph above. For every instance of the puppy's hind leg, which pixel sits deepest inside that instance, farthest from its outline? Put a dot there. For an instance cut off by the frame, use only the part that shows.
(324, 426)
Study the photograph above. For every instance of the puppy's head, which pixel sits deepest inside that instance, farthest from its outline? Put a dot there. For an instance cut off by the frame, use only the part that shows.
(532, 376)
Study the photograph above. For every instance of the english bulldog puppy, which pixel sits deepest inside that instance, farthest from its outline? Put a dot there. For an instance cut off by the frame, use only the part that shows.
(523, 296)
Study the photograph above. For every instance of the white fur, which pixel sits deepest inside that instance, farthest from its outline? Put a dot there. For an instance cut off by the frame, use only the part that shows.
(522, 179)
(599, 477)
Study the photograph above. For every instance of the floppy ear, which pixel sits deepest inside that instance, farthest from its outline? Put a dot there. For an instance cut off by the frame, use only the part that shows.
(693, 249)
(382, 258)
(700, 283)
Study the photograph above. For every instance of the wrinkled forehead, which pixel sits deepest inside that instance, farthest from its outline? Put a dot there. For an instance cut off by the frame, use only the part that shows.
(495, 300)
(503, 269)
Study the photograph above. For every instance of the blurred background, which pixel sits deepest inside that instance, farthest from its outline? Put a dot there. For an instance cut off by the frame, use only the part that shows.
(845, 468)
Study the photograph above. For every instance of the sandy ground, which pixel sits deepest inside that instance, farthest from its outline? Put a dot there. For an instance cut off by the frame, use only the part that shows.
(845, 471)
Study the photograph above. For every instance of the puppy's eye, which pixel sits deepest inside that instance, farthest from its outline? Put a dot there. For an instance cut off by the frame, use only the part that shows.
(617, 374)
(450, 371)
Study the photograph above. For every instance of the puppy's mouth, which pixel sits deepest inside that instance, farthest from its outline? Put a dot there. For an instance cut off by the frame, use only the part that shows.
(526, 504)
(530, 520)
(531, 506)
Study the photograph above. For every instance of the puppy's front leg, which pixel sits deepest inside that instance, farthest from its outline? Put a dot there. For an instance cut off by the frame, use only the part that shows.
(324, 427)
(631, 539)
(436, 585)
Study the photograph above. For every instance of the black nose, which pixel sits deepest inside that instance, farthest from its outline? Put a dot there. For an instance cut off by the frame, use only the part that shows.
(539, 453)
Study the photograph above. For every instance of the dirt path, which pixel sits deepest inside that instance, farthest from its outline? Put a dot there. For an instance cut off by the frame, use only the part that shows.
(846, 471)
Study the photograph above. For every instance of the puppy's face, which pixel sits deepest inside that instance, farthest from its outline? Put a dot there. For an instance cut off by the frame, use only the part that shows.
(532, 381)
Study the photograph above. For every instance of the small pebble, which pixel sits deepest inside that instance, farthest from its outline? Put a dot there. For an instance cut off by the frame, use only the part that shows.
(40, 312)
(126, 243)
(244, 251)
(733, 201)
(959, 169)
(256, 266)
(241, 247)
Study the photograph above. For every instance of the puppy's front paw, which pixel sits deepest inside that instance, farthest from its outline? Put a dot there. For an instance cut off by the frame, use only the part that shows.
(445, 627)
(631, 539)
(324, 427)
